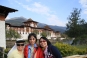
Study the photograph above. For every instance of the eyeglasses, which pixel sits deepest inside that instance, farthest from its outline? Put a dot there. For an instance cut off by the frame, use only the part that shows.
(20, 44)
(42, 41)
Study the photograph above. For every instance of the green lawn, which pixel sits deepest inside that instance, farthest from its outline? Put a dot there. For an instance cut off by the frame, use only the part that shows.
(81, 46)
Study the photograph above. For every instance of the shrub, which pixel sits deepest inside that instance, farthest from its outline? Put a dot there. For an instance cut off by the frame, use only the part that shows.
(6, 51)
(67, 50)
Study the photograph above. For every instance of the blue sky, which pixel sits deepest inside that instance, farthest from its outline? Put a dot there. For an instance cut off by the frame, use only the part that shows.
(52, 12)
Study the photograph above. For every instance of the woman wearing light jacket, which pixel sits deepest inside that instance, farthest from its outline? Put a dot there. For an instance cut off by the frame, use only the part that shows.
(32, 50)
(50, 51)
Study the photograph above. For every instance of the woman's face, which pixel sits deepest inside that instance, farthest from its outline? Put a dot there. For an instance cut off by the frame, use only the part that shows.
(43, 43)
(32, 40)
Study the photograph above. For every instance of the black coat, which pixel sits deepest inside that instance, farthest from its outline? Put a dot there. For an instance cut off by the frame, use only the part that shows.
(53, 52)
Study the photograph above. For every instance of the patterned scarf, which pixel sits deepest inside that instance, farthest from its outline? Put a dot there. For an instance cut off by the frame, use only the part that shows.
(31, 51)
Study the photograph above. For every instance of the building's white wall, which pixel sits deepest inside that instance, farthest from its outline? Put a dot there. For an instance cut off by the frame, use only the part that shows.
(32, 24)
(48, 37)
(24, 36)
(2, 34)
(38, 36)
(53, 35)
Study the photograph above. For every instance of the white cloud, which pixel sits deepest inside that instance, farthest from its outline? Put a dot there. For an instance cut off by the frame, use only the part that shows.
(28, 0)
(83, 2)
(85, 11)
(17, 2)
(54, 20)
(39, 8)
(84, 5)
(10, 1)
(36, 7)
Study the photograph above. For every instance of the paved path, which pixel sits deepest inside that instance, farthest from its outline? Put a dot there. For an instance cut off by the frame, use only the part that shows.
(76, 56)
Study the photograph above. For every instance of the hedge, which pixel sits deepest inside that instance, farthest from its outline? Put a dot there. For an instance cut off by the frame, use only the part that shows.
(67, 50)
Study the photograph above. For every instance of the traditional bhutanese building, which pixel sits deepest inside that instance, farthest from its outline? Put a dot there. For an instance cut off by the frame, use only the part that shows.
(30, 26)
(4, 11)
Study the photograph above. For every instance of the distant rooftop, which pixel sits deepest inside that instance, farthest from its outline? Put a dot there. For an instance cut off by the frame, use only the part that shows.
(6, 9)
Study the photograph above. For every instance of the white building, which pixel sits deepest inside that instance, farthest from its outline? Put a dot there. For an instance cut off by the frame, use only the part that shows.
(4, 11)
(30, 26)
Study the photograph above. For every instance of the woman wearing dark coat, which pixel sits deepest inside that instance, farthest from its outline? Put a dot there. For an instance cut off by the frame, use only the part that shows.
(49, 50)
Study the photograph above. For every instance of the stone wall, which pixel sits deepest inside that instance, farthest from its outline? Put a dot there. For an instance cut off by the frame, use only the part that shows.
(10, 43)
